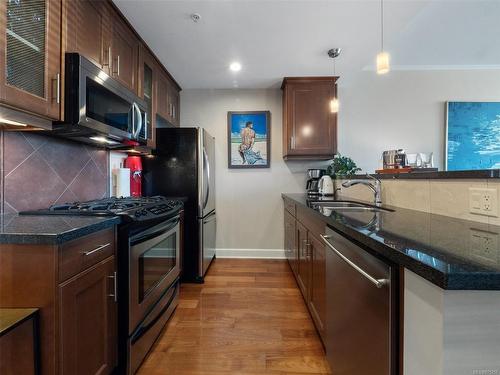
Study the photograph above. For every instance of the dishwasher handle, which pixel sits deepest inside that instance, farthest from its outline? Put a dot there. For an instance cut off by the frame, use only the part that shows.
(379, 283)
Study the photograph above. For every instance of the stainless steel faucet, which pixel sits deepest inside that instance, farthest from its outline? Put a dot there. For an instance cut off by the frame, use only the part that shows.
(375, 185)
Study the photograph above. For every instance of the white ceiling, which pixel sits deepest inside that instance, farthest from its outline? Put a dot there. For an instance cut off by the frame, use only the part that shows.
(277, 38)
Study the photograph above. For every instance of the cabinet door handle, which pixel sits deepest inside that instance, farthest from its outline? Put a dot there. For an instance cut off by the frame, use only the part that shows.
(292, 142)
(379, 283)
(116, 70)
(115, 287)
(107, 62)
(57, 88)
(98, 248)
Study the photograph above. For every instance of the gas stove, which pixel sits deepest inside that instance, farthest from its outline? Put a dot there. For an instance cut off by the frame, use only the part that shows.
(130, 208)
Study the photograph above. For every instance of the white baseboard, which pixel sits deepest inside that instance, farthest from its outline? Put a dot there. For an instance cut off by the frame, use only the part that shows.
(251, 253)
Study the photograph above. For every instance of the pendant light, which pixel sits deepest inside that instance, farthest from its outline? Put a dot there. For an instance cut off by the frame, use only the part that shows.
(383, 57)
(334, 103)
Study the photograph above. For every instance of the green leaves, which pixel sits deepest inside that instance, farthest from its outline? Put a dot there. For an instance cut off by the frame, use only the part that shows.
(342, 166)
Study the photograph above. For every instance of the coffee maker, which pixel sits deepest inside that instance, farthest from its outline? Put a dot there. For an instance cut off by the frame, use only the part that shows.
(313, 177)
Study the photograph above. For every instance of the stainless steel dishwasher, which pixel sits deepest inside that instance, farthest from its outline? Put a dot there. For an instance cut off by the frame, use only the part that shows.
(361, 323)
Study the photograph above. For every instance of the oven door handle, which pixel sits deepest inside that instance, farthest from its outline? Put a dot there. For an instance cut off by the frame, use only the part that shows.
(142, 329)
(155, 231)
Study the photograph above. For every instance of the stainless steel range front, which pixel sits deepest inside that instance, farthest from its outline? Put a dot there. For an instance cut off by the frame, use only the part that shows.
(153, 286)
(148, 257)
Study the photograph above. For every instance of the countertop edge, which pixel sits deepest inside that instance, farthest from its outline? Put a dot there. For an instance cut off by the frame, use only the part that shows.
(59, 238)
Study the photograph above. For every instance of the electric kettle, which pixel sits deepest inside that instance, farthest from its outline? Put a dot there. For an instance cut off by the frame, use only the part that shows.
(325, 186)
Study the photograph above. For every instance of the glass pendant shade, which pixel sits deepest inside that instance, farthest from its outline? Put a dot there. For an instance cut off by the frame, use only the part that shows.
(334, 105)
(383, 63)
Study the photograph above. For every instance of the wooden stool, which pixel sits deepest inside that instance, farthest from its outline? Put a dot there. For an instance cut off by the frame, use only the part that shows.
(19, 343)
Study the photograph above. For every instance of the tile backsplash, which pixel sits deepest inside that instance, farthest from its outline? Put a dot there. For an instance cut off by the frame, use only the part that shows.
(443, 197)
(37, 171)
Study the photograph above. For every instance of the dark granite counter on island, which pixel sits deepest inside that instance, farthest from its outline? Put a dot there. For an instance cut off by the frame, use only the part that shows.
(451, 253)
(47, 230)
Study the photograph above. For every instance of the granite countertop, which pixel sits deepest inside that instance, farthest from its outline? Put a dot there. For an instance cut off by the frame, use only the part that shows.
(50, 229)
(444, 250)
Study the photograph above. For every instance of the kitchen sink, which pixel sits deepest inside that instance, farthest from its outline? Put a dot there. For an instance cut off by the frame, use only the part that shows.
(347, 206)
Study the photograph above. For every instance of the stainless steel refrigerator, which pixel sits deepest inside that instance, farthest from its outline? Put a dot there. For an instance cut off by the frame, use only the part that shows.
(183, 166)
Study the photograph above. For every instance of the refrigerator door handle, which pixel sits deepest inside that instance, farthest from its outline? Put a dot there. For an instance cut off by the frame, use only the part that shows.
(206, 169)
(209, 218)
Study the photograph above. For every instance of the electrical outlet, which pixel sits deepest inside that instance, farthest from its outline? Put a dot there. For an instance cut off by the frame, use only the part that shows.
(483, 201)
(484, 245)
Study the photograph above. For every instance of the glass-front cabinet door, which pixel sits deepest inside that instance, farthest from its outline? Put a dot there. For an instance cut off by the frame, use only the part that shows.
(30, 56)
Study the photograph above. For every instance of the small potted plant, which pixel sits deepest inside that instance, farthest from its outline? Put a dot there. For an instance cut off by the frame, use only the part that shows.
(342, 166)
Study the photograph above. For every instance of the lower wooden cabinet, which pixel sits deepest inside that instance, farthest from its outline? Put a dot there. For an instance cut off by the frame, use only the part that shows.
(73, 286)
(290, 243)
(317, 297)
(88, 321)
(306, 256)
(19, 346)
(303, 263)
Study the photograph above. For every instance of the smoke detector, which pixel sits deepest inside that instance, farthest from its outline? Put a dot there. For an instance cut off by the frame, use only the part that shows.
(334, 52)
(195, 17)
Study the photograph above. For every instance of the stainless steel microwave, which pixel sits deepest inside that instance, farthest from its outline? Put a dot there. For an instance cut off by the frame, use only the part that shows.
(99, 109)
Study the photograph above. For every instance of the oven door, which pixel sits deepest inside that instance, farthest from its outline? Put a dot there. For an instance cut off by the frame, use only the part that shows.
(154, 266)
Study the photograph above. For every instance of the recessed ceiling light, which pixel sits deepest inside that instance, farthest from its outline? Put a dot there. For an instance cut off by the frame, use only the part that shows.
(235, 66)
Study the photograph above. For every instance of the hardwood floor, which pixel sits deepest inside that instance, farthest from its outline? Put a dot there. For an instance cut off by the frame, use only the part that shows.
(248, 318)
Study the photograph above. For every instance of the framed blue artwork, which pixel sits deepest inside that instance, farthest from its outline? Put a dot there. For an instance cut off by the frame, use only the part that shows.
(249, 139)
(472, 135)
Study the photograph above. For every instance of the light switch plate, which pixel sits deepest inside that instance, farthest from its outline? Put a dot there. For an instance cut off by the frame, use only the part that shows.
(483, 201)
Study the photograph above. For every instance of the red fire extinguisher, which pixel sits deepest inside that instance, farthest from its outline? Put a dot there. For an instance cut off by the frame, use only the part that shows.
(135, 165)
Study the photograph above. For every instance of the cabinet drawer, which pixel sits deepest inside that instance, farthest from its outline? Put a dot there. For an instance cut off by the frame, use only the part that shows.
(290, 206)
(83, 253)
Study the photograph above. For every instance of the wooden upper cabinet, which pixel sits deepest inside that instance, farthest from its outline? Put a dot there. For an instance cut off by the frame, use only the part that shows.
(162, 106)
(148, 77)
(309, 128)
(124, 53)
(38, 33)
(85, 26)
(30, 64)
(168, 100)
(174, 105)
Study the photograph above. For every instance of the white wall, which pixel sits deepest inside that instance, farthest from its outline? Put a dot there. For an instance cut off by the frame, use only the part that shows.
(404, 109)
(449, 332)
(248, 202)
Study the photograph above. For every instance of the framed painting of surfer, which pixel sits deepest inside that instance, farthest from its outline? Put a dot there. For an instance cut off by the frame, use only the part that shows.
(249, 139)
